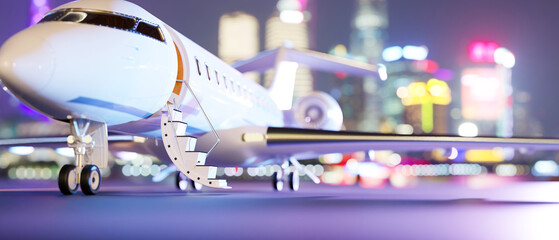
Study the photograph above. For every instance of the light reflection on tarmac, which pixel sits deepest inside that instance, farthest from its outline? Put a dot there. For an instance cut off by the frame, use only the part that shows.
(525, 210)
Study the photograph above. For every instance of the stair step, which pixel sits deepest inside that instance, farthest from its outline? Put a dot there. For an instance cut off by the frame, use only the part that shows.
(187, 143)
(220, 183)
(180, 127)
(200, 157)
(207, 172)
(176, 115)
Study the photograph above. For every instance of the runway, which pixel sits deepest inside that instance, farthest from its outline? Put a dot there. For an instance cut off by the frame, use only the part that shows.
(432, 210)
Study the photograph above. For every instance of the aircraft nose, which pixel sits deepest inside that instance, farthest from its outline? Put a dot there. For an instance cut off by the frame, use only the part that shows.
(26, 63)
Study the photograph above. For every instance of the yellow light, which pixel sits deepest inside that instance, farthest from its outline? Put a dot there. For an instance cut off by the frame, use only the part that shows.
(436, 90)
(407, 101)
(486, 155)
(137, 139)
(340, 50)
(417, 94)
(437, 154)
(402, 92)
(439, 91)
(419, 91)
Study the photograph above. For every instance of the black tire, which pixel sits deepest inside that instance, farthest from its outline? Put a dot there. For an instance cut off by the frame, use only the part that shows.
(66, 187)
(277, 181)
(181, 181)
(196, 186)
(294, 181)
(90, 180)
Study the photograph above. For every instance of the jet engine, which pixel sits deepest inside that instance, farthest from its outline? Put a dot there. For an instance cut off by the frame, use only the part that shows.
(315, 111)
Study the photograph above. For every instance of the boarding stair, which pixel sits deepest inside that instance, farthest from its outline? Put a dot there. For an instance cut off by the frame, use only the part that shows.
(180, 148)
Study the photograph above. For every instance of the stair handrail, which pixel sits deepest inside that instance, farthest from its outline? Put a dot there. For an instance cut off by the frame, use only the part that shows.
(205, 116)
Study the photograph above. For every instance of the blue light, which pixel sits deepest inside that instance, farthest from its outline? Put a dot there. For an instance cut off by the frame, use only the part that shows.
(545, 168)
(415, 52)
(21, 150)
(392, 54)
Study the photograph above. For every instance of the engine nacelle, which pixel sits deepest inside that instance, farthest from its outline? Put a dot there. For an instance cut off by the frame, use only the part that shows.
(315, 111)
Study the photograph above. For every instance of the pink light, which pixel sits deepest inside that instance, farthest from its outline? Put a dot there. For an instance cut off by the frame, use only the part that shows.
(303, 4)
(483, 51)
(490, 49)
(40, 3)
(476, 51)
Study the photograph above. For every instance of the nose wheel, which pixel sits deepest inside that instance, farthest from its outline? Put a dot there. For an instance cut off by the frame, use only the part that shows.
(90, 179)
(68, 180)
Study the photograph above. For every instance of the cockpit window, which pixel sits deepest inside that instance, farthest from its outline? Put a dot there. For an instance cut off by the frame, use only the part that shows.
(53, 16)
(107, 19)
(100, 19)
(150, 30)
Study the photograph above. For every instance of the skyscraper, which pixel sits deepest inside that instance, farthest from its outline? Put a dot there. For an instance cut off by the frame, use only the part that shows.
(487, 95)
(369, 24)
(366, 44)
(238, 38)
(288, 26)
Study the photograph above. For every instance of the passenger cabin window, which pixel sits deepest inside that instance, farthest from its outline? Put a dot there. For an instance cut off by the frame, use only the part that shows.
(107, 19)
(225, 81)
(208, 72)
(198, 66)
(217, 77)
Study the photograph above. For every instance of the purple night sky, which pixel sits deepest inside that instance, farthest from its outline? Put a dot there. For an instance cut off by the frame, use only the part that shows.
(527, 28)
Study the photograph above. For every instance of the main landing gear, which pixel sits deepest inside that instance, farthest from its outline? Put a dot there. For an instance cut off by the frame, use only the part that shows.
(183, 183)
(89, 140)
(280, 177)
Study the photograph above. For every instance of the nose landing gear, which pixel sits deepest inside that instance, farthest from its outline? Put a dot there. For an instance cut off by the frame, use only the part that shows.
(90, 179)
(68, 180)
(90, 149)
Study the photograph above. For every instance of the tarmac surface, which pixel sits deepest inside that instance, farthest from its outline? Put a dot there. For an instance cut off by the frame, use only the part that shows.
(440, 210)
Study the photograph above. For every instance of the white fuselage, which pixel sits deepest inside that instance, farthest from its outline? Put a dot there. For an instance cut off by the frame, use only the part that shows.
(121, 77)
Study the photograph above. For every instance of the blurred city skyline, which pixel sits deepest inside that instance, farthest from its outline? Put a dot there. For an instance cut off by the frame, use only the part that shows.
(446, 27)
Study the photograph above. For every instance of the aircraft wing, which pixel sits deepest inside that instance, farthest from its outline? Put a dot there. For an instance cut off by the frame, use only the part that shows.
(311, 59)
(259, 143)
(303, 142)
(54, 141)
